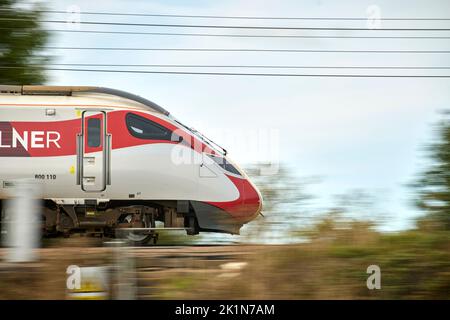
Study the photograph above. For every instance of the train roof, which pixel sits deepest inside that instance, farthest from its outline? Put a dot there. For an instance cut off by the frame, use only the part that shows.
(73, 90)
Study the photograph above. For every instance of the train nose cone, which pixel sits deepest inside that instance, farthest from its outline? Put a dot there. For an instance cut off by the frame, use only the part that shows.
(248, 204)
(251, 200)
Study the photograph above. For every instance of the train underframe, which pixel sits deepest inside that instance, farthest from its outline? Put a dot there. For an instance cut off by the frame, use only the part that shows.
(136, 222)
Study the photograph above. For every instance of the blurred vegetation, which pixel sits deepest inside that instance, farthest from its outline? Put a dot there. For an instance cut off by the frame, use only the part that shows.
(414, 265)
(434, 185)
(21, 40)
(285, 205)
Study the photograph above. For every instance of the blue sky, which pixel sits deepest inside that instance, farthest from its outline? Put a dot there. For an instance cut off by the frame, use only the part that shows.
(361, 133)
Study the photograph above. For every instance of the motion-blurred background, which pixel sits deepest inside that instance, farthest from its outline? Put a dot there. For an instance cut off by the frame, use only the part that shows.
(346, 102)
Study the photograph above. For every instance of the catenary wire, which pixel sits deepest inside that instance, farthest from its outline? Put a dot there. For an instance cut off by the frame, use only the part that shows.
(242, 74)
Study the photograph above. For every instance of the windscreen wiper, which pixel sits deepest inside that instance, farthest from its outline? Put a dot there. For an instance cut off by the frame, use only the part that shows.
(210, 142)
(203, 137)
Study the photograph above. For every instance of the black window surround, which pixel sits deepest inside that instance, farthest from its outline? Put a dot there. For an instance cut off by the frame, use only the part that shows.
(144, 128)
(225, 165)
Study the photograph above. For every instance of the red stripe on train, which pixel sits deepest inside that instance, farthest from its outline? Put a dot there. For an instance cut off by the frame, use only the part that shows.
(245, 207)
(58, 138)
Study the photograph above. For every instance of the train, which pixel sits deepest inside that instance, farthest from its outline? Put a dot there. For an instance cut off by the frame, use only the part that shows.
(110, 163)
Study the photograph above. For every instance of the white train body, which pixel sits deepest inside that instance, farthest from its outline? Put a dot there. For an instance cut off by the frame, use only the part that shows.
(99, 148)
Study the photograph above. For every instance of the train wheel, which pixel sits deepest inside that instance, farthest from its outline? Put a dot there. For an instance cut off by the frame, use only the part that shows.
(137, 238)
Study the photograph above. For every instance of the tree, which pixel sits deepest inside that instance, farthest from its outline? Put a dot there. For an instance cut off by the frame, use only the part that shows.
(434, 184)
(21, 40)
(285, 206)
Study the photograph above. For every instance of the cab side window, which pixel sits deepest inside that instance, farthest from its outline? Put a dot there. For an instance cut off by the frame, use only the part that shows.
(143, 128)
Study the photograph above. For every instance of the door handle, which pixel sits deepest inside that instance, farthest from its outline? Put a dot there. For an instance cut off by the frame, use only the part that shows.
(89, 160)
(89, 180)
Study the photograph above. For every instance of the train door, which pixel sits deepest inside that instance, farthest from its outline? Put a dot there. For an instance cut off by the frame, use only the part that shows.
(93, 152)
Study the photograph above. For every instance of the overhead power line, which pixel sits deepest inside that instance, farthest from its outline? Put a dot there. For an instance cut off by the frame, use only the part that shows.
(242, 74)
(243, 50)
(229, 26)
(238, 35)
(247, 35)
(248, 66)
(102, 13)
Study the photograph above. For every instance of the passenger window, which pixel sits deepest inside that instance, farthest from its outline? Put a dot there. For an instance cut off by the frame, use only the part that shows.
(143, 128)
(94, 132)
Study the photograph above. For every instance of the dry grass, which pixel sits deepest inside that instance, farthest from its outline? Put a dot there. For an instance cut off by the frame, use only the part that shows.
(414, 265)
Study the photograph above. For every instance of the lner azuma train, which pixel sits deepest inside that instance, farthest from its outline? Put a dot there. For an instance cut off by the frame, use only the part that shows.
(109, 162)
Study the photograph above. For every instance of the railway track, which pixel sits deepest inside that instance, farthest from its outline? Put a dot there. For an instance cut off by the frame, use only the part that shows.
(154, 272)
(182, 264)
